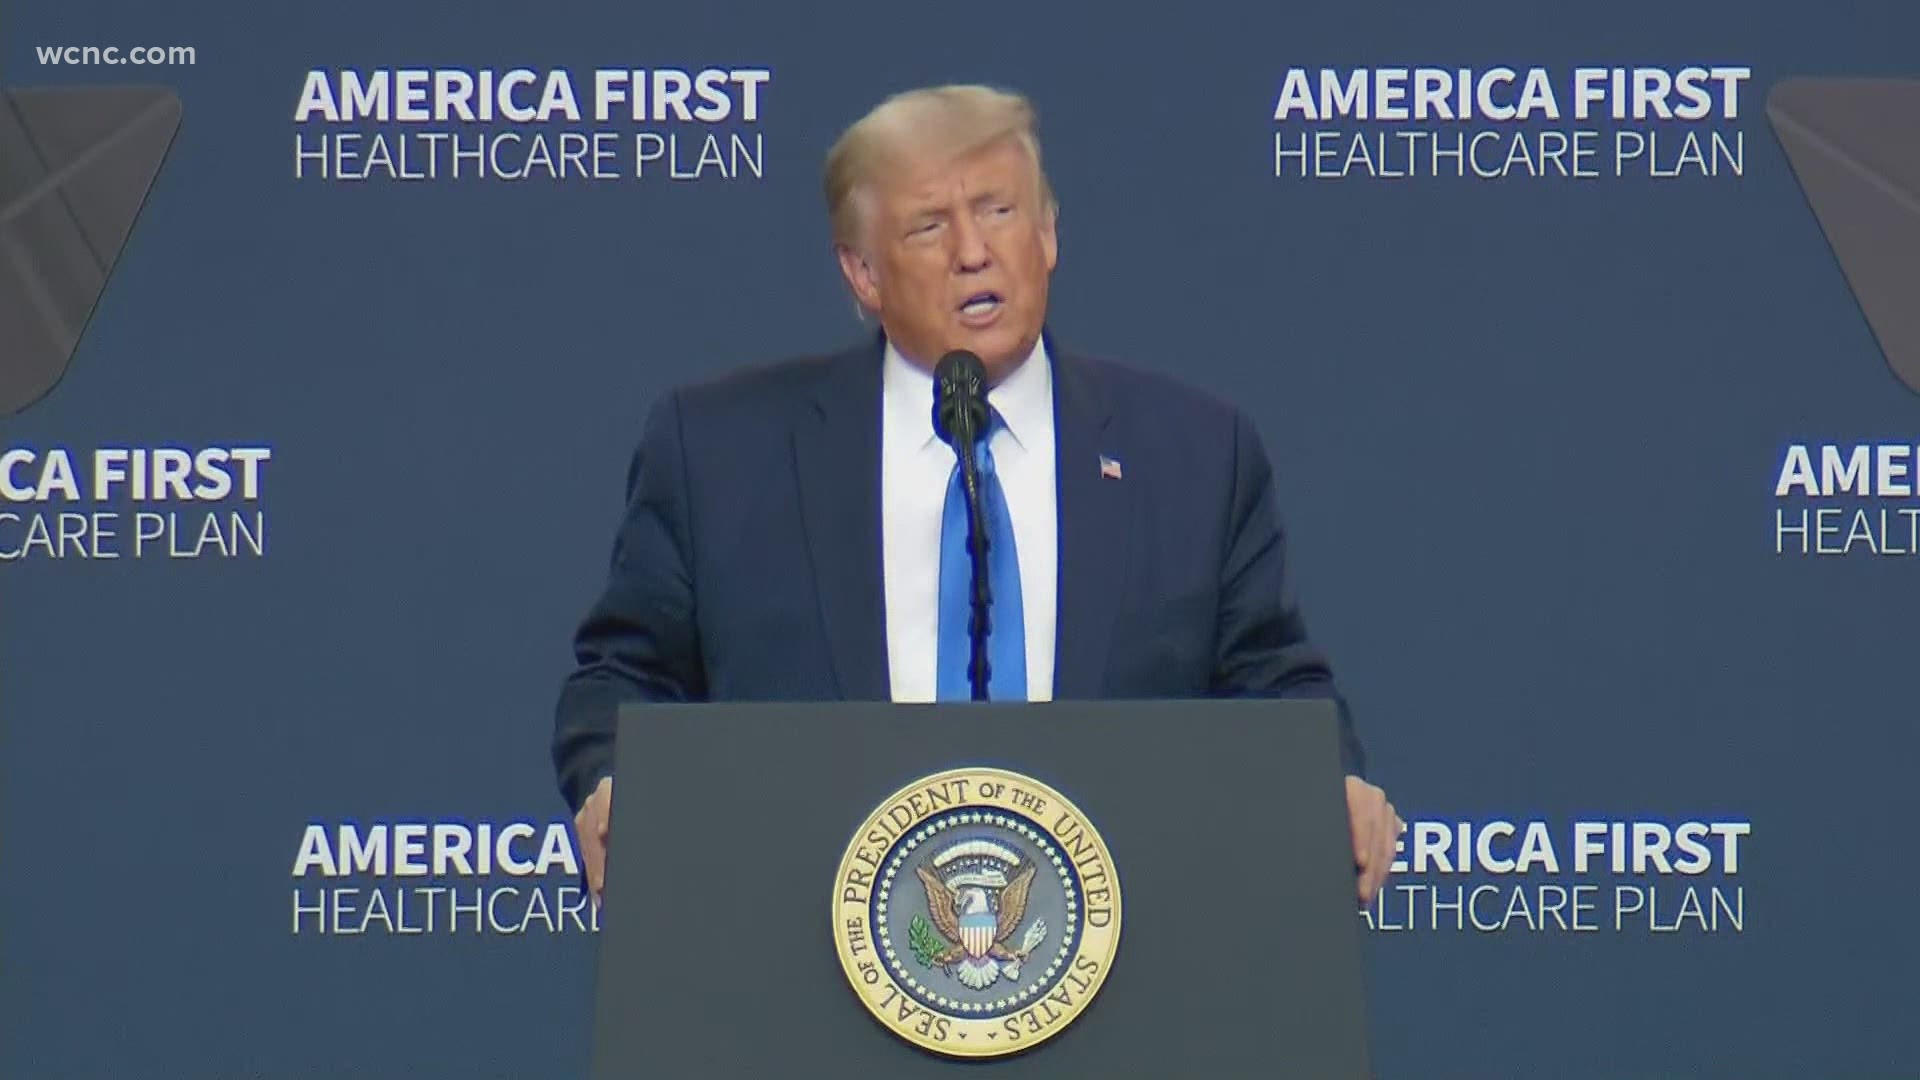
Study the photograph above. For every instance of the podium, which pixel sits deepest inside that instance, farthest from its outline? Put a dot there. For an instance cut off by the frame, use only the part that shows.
(850, 889)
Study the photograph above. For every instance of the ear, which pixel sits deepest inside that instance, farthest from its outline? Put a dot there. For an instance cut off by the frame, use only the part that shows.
(860, 276)
(1050, 237)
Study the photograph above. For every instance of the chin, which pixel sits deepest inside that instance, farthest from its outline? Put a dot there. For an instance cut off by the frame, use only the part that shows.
(1000, 348)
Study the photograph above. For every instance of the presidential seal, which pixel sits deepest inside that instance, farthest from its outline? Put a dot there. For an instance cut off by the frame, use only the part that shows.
(976, 912)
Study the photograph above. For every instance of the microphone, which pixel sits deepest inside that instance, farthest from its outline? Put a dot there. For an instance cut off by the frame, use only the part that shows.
(959, 415)
(959, 398)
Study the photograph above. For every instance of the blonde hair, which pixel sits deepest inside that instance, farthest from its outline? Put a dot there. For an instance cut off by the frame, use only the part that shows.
(949, 121)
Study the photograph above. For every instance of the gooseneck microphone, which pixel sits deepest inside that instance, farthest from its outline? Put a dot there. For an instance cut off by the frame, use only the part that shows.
(959, 416)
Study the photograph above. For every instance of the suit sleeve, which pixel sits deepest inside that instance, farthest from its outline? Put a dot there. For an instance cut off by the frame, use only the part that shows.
(639, 641)
(1263, 644)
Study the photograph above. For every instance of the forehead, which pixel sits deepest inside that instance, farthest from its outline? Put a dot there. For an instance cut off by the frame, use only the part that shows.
(922, 177)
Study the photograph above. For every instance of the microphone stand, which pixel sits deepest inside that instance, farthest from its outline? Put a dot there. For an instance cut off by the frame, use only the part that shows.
(960, 413)
(982, 592)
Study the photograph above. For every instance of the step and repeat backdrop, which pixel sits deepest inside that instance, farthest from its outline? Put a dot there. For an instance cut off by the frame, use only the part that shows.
(1583, 339)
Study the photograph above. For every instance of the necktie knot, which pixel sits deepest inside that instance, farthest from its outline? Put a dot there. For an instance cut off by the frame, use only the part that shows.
(995, 424)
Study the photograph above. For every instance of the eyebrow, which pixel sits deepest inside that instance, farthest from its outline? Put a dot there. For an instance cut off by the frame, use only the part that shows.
(913, 219)
(940, 211)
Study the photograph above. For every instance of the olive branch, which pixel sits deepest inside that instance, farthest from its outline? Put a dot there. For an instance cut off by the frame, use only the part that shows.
(926, 944)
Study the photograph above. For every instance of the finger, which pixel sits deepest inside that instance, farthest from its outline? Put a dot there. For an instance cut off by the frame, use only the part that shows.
(1372, 877)
(589, 831)
(1359, 822)
(1378, 852)
(1389, 832)
(594, 853)
(583, 828)
(602, 802)
(1365, 825)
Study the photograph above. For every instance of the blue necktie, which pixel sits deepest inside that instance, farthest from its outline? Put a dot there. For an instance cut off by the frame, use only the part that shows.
(1007, 627)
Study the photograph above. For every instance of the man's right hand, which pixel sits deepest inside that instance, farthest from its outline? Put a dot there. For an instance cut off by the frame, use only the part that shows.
(590, 829)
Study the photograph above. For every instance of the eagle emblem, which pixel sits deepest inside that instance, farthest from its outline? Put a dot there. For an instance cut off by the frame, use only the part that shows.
(976, 898)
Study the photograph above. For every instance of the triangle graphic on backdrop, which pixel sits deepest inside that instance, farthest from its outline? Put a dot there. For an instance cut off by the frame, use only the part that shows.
(1855, 148)
(76, 164)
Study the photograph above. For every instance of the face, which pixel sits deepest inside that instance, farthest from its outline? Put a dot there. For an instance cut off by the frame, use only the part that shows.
(956, 255)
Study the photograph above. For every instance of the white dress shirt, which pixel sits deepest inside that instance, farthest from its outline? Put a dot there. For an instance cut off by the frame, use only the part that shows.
(915, 466)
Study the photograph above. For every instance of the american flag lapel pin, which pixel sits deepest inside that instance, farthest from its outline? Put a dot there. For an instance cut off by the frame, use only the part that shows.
(1109, 467)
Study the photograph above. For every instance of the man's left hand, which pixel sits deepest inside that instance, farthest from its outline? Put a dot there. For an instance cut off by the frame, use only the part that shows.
(1376, 829)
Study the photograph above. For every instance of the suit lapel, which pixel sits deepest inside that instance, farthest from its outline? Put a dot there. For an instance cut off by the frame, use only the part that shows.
(836, 443)
(1096, 534)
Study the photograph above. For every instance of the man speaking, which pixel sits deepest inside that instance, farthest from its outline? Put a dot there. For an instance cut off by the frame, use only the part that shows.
(798, 531)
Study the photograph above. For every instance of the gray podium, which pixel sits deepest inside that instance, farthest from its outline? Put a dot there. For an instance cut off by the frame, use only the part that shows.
(1239, 950)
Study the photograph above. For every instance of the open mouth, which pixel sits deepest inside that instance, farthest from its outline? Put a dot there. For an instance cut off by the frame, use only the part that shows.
(981, 305)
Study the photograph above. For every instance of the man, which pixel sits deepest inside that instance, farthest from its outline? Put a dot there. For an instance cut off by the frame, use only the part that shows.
(786, 525)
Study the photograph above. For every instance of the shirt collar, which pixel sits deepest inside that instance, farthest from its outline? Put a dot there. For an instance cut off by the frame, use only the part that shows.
(1024, 398)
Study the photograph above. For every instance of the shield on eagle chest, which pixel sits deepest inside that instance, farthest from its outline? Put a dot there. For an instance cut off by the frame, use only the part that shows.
(977, 927)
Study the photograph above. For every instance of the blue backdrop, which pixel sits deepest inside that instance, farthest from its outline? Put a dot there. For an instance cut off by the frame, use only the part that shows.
(1527, 432)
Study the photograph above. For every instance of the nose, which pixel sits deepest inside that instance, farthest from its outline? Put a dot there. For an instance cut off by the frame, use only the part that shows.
(970, 251)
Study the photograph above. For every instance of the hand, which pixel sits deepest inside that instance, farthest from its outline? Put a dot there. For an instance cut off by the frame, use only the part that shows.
(1376, 829)
(590, 828)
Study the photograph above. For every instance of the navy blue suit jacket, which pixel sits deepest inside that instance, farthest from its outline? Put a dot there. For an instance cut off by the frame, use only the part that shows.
(748, 565)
